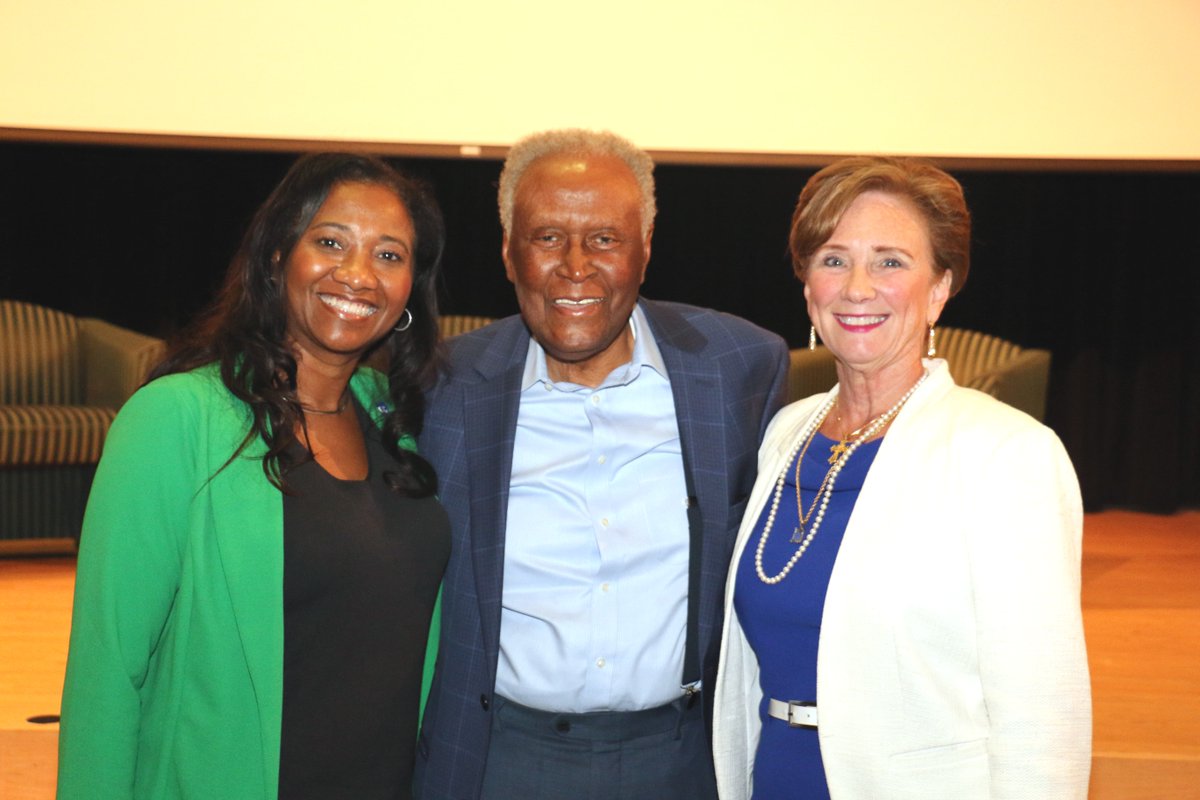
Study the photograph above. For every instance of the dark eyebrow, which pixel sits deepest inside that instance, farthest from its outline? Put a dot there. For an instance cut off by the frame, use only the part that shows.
(330, 224)
(891, 248)
(342, 227)
(404, 245)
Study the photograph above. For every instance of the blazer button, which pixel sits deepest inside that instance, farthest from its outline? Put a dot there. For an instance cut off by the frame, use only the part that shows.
(483, 701)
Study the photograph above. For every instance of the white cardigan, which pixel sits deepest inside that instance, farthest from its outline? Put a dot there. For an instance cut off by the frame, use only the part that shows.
(951, 661)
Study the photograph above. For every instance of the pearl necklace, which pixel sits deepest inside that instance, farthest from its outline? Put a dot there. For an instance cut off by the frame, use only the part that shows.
(831, 477)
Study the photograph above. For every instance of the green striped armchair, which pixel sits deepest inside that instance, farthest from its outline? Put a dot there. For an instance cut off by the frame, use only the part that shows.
(62, 379)
(1016, 375)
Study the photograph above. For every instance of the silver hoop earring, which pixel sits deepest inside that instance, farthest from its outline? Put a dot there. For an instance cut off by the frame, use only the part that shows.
(812, 337)
(932, 349)
(407, 323)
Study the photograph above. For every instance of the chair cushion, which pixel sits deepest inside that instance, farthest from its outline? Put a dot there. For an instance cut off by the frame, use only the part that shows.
(52, 435)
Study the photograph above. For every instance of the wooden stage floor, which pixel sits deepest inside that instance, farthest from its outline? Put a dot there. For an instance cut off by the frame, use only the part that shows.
(1141, 600)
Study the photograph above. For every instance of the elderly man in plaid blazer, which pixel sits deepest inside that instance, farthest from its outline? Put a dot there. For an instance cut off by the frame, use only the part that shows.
(595, 454)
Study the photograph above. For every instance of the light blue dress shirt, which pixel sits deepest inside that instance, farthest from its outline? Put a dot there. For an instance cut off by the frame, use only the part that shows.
(596, 548)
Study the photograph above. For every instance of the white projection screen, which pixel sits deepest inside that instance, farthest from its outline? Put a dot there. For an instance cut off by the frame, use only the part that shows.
(755, 81)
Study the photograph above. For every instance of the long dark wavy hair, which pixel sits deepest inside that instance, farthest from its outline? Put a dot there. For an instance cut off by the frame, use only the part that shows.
(244, 330)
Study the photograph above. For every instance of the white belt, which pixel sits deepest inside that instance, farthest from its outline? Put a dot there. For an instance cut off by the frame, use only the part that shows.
(794, 713)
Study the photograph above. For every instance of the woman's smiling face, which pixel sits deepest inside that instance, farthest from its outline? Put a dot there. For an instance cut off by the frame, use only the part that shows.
(871, 289)
(349, 276)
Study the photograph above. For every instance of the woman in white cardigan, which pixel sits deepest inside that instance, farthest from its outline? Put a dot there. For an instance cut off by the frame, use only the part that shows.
(929, 644)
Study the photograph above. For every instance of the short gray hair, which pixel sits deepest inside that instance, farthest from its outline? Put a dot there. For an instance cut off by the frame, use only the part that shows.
(575, 142)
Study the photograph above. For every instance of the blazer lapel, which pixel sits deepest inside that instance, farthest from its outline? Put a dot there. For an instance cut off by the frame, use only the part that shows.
(490, 408)
(699, 410)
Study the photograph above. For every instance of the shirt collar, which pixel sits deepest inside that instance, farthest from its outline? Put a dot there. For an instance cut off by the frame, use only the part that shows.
(645, 354)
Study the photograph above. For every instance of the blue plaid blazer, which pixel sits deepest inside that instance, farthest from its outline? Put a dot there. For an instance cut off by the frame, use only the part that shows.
(728, 378)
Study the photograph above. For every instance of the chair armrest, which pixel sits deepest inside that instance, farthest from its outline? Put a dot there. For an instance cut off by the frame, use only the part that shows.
(116, 361)
(810, 372)
(52, 436)
(1021, 382)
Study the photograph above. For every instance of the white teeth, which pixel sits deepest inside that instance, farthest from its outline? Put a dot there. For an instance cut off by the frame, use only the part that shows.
(587, 301)
(348, 306)
(862, 320)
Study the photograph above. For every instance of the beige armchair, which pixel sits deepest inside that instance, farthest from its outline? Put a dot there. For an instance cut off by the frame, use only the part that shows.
(62, 379)
(810, 372)
(454, 324)
(1015, 375)
(448, 325)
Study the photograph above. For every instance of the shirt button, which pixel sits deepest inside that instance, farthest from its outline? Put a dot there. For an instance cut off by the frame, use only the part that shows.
(600, 663)
(604, 522)
(604, 587)
(601, 459)
(595, 399)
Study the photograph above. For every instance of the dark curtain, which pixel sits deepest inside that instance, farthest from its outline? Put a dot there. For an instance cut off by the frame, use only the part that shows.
(1100, 268)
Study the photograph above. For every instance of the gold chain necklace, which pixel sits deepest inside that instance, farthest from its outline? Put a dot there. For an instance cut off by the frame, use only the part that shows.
(835, 452)
(805, 438)
(839, 447)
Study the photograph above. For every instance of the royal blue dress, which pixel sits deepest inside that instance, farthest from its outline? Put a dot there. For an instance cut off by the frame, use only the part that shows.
(782, 622)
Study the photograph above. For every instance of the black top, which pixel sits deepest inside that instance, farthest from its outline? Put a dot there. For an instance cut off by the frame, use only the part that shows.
(361, 570)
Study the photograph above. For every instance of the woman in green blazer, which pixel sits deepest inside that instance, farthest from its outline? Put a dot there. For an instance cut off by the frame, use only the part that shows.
(258, 572)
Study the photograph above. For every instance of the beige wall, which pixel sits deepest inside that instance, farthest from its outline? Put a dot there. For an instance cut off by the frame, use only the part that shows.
(990, 78)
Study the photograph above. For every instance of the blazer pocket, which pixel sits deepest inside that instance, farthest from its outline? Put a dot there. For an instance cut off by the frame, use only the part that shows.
(737, 510)
(949, 772)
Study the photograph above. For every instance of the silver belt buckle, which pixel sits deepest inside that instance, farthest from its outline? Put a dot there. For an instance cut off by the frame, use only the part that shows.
(796, 713)
(802, 715)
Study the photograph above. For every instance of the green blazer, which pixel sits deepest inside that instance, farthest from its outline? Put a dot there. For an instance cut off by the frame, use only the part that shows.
(174, 683)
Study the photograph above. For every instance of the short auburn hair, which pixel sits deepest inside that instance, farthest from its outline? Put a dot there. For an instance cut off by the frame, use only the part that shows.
(936, 195)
